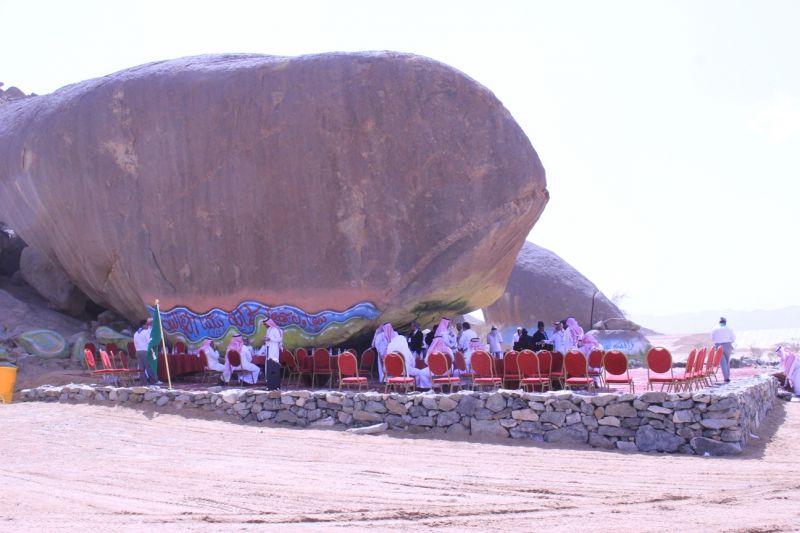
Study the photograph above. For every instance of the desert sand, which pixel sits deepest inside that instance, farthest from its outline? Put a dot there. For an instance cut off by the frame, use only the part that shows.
(84, 467)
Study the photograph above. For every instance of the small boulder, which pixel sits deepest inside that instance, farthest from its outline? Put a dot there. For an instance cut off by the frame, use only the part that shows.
(43, 343)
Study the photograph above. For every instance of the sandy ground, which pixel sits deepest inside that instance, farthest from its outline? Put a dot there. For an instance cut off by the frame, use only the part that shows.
(82, 467)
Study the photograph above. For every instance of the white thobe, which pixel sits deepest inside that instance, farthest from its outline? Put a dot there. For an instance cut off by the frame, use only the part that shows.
(422, 376)
(272, 344)
(212, 356)
(466, 338)
(251, 371)
(379, 343)
(561, 340)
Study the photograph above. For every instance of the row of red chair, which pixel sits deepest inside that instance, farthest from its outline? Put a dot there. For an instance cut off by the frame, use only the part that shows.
(701, 369)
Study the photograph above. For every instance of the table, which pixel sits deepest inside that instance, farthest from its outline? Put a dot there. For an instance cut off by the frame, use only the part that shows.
(179, 365)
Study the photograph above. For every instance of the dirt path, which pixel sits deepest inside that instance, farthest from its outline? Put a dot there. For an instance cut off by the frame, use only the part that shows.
(82, 467)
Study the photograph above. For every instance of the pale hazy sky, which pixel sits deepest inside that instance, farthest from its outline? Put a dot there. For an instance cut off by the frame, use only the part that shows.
(670, 131)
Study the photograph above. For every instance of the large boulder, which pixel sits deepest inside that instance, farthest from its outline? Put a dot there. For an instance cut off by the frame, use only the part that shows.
(22, 309)
(342, 189)
(544, 287)
(43, 343)
(50, 280)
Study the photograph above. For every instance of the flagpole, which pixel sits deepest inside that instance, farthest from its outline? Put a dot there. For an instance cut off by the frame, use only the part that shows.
(163, 345)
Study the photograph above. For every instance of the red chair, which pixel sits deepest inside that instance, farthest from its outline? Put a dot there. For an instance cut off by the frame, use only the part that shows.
(461, 365)
(531, 372)
(596, 364)
(511, 373)
(131, 349)
(545, 363)
(698, 376)
(348, 372)
(125, 364)
(718, 353)
(394, 368)
(91, 365)
(659, 368)
(483, 371)
(685, 381)
(557, 369)
(112, 347)
(321, 367)
(179, 347)
(367, 362)
(708, 370)
(289, 366)
(235, 360)
(305, 366)
(442, 372)
(108, 366)
(576, 371)
(615, 365)
(208, 373)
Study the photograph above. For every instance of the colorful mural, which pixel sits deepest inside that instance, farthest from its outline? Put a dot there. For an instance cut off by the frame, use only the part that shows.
(299, 326)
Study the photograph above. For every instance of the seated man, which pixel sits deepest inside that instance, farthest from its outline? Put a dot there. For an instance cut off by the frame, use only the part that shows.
(251, 371)
(422, 376)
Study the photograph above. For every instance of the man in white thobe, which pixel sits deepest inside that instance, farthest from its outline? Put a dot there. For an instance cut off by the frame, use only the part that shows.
(560, 338)
(212, 356)
(422, 376)
(467, 336)
(383, 335)
(251, 371)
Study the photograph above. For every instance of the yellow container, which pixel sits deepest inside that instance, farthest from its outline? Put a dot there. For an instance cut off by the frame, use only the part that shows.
(8, 378)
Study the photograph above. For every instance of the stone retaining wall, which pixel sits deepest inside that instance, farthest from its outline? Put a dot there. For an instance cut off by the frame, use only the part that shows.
(716, 421)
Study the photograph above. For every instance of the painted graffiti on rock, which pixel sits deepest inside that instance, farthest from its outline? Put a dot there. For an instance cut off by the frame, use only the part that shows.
(215, 323)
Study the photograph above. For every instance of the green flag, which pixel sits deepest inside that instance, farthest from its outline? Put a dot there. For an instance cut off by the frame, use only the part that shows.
(154, 348)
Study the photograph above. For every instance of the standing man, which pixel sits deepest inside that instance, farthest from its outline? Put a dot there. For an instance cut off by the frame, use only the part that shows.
(560, 338)
(415, 340)
(465, 343)
(540, 337)
(141, 340)
(273, 344)
(723, 336)
(495, 341)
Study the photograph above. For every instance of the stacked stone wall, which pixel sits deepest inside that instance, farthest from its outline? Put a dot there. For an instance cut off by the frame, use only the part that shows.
(716, 421)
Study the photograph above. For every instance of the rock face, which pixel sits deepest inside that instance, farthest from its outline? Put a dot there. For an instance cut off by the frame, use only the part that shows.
(22, 309)
(544, 287)
(629, 342)
(51, 282)
(317, 182)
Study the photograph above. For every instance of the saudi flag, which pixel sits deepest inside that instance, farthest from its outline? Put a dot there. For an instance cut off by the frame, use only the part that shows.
(154, 347)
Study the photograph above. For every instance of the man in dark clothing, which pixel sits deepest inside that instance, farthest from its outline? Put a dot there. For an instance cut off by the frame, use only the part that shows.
(540, 337)
(415, 339)
(525, 342)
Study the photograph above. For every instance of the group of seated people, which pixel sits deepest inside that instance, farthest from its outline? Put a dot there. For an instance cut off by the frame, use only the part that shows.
(567, 335)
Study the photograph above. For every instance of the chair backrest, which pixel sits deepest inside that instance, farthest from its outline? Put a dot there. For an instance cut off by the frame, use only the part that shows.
(180, 347)
(439, 364)
(105, 360)
(596, 358)
(718, 357)
(511, 365)
(90, 362)
(528, 364)
(459, 361)
(286, 358)
(123, 358)
(322, 359)
(368, 360)
(575, 364)
(659, 360)
(234, 358)
(712, 353)
(90, 346)
(111, 347)
(352, 351)
(557, 363)
(394, 365)
(615, 363)
(348, 365)
(131, 348)
(203, 358)
(687, 371)
(482, 364)
(545, 362)
(699, 360)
